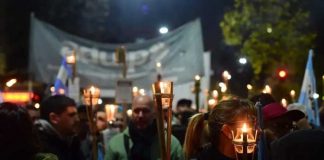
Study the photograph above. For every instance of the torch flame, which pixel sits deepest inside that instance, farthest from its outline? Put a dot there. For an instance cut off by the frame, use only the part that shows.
(244, 128)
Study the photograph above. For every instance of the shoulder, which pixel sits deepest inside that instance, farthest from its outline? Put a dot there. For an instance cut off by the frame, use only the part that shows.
(176, 149)
(297, 144)
(45, 156)
(118, 140)
(175, 141)
(303, 136)
(209, 151)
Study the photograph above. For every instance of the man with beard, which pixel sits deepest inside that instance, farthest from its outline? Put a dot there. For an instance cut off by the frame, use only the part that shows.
(58, 126)
(139, 141)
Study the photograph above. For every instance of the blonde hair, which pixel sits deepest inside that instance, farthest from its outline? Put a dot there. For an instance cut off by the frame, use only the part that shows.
(196, 135)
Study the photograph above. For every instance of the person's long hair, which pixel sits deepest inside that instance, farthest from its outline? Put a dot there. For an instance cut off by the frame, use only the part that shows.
(17, 134)
(196, 134)
(225, 113)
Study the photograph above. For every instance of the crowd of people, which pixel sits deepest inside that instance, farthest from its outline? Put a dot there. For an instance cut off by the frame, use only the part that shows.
(59, 130)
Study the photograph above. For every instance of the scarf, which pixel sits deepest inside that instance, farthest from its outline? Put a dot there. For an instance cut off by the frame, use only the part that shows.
(142, 140)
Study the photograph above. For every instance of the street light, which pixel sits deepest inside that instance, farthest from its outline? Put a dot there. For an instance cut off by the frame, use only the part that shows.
(242, 60)
(163, 30)
(163, 96)
(11, 82)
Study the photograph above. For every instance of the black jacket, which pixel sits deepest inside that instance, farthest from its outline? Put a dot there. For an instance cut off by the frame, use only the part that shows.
(299, 145)
(52, 142)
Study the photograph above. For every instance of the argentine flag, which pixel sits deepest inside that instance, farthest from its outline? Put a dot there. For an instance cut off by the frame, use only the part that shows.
(307, 91)
(64, 73)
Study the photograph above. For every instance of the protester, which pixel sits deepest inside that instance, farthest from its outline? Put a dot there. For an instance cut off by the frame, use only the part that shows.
(183, 105)
(101, 125)
(303, 122)
(278, 121)
(113, 128)
(304, 144)
(227, 116)
(58, 126)
(18, 139)
(139, 141)
(184, 112)
(263, 98)
(321, 114)
(33, 112)
(196, 135)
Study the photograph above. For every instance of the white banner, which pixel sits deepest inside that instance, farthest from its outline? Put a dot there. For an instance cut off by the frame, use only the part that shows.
(179, 52)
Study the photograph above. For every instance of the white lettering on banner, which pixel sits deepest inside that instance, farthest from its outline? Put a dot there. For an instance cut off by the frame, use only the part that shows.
(105, 61)
(113, 76)
(94, 56)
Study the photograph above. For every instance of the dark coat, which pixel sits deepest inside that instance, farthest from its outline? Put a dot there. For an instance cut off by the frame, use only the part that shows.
(52, 142)
(209, 152)
(299, 145)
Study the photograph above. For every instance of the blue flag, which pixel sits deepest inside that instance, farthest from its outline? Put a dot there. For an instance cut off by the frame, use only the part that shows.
(307, 92)
(65, 72)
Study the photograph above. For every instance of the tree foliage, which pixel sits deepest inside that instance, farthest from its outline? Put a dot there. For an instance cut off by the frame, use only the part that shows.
(271, 33)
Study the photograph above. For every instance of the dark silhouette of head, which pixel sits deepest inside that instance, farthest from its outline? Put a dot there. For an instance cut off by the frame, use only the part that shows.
(17, 135)
(263, 98)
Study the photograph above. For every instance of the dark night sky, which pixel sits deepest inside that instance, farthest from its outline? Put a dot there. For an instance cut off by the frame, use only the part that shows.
(120, 21)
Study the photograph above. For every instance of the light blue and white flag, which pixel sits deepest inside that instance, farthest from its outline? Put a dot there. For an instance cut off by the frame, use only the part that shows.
(65, 72)
(307, 92)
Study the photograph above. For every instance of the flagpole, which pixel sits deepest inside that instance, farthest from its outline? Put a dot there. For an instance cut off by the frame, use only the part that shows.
(260, 125)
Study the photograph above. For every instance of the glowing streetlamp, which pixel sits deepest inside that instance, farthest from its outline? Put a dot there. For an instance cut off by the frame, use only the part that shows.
(163, 96)
(91, 97)
(11, 82)
(242, 60)
(163, 30)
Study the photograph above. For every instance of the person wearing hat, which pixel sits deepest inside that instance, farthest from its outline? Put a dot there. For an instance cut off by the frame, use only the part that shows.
(303, 122)
(278, 121)
(303, 144)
